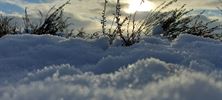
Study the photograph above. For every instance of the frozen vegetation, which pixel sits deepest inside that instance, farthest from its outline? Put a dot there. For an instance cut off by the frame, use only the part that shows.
(45, 67)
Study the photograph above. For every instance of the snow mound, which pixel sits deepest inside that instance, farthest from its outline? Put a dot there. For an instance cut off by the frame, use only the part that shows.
(55, 68)
(134, 76)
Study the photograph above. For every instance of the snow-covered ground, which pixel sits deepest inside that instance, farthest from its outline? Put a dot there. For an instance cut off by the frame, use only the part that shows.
(54, 68)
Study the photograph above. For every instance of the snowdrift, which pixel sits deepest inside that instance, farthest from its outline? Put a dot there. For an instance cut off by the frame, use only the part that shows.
(55, 68)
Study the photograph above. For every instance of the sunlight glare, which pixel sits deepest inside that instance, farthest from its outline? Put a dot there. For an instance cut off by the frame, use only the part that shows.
(138, 5)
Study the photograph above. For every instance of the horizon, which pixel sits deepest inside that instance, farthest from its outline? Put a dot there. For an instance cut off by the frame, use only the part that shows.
(88, 14)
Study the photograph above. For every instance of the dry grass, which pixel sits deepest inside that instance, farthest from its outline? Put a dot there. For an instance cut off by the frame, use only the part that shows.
(177, 24)
(51, 23)
(6, 26)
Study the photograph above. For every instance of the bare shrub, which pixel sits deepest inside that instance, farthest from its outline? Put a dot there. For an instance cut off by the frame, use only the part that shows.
(110, 34)
(81, 33)
(132, 33)
(117, 30)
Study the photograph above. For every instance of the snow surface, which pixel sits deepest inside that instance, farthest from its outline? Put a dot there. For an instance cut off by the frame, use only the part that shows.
(55, 68)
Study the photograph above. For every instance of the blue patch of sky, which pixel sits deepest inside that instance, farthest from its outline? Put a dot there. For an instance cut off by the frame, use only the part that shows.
(36, 1)
(10, 8)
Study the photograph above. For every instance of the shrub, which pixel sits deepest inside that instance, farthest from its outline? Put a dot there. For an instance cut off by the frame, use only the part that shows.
(127, 39)
(134, 28)
(6, 26)
(51, 23)
(81, 33)
(117, 30)
(111, 35)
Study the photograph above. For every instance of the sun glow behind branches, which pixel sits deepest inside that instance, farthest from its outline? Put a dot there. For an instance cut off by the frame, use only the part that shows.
(138, 5)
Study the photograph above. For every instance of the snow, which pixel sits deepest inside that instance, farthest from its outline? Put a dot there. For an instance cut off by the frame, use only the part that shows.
(55, 68)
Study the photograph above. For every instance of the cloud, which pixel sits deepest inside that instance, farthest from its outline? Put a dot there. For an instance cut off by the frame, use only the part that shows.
(194, 3)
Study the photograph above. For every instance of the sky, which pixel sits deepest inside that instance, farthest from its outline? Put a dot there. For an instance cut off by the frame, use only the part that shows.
(87, 13)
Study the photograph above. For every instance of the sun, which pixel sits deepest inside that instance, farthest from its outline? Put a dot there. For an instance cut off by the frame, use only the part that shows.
(138, 5)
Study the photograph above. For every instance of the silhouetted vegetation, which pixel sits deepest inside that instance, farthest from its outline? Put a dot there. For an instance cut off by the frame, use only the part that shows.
(6, 26)
(175, 24)
(51, 23)
(132, 33)
(126, 28)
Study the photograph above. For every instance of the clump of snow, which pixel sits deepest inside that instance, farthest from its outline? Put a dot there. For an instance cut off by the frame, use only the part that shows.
(186, 86)
(55, 68)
